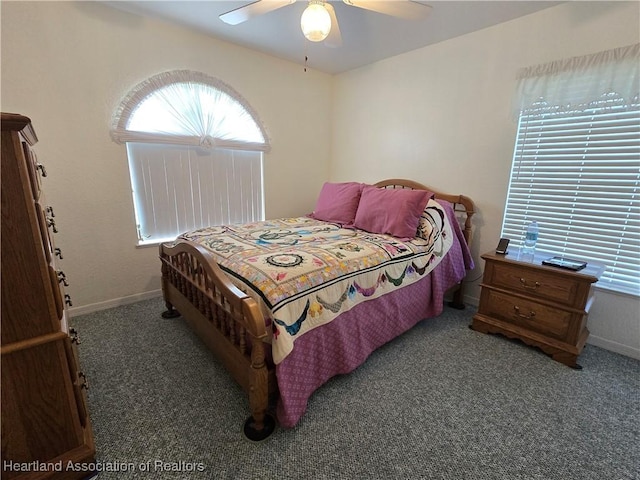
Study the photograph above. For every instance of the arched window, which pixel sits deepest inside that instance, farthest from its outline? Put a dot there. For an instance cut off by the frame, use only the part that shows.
(195, 150)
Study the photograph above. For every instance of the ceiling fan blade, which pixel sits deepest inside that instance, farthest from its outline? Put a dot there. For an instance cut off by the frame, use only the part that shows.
(259, 7)
(407, 9)
(334, 39)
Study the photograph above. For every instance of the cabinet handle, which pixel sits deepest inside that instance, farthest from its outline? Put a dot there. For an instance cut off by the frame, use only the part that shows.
(73, 333)
(530, 287)
(62, 278)
(531, 315)
(51, 223)
(43, 171)
(67, 299)
(85, 382)
(58, 253)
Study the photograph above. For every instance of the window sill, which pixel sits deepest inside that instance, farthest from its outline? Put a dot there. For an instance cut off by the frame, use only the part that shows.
(154, 243)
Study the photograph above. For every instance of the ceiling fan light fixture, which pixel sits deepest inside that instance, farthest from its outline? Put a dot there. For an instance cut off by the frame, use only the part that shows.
(315, 22)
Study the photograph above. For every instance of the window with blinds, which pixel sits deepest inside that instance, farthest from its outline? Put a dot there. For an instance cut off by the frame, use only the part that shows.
(576, 171)
(195, 149)
(179, 188)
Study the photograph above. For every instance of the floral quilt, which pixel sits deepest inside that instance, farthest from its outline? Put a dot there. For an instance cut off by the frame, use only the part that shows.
(305, 272)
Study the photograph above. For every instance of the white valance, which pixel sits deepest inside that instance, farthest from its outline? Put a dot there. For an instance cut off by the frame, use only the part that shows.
(183, 107)
(578, 81)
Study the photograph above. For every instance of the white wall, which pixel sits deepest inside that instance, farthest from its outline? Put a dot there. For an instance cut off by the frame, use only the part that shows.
(67, 65)
(441, 115)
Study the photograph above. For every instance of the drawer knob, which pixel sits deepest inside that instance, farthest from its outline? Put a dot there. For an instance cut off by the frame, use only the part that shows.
(62, 278)
(73, 333)
(531, 315)
(52, 223)
(530, 287)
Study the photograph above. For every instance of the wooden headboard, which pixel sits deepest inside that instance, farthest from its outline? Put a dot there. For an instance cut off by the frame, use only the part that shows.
(460, 203)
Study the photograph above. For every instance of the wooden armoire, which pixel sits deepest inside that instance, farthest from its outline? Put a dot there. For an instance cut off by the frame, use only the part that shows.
(46, 431)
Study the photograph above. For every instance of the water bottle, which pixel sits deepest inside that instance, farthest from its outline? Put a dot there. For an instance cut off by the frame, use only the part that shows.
(531, 238)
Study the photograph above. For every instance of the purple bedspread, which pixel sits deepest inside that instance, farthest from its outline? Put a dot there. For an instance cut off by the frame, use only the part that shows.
(344, 344)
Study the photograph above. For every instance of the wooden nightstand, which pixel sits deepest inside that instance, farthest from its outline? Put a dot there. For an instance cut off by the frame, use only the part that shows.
(543, 306)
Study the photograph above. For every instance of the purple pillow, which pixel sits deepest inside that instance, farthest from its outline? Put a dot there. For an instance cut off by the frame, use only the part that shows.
(392, 211)
(338, 202)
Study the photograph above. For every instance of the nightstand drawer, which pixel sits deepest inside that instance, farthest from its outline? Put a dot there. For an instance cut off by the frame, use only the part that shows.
(550, 321)
(534, 283)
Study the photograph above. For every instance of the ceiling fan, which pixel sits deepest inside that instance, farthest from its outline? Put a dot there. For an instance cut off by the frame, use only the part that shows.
(319, 22)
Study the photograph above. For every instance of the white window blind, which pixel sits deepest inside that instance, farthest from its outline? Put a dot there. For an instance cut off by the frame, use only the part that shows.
(179, 188)
(195, 150)
(576, 171)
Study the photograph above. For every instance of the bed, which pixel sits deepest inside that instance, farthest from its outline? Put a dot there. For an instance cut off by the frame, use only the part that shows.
(287, 304)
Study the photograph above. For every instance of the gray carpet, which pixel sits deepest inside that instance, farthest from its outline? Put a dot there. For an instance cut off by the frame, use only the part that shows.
(440, 402)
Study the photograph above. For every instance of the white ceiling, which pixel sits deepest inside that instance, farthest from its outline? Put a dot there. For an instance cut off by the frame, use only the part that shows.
(366, 36)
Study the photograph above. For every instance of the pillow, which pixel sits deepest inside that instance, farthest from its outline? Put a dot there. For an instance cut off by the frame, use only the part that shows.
(392, 211)
(338, 202)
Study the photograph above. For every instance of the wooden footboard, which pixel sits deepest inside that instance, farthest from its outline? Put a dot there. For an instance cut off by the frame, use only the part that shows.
(226, 319)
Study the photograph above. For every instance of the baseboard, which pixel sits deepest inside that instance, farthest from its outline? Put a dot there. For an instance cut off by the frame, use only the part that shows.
(616, 347)
(116, 302)
(470, 301)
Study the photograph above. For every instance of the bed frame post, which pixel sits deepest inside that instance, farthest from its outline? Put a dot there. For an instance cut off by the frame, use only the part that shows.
(170, 312)
(468, 207)
(458, 297)
(260, 424)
